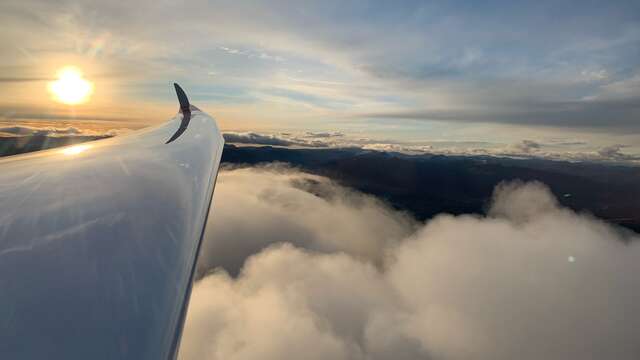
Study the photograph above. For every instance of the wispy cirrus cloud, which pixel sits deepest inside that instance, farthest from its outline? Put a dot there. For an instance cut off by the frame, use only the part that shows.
(535, 65)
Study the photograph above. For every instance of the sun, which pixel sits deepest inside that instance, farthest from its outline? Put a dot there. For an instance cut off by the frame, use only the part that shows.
(71, 88)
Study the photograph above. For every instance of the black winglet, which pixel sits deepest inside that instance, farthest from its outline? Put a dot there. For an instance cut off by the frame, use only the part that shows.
(185, 109)
(182, 98)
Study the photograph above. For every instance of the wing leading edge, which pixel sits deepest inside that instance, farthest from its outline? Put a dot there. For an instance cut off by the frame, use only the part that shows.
(98, 241)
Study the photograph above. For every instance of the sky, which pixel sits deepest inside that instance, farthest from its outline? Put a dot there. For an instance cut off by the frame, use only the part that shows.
(459, 76)
(344, 275)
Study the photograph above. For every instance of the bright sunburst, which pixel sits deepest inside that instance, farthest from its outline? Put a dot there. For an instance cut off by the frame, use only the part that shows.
(71, 88)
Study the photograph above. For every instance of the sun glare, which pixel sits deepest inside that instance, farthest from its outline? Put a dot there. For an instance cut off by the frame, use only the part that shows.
(75, 150)
(70, 88)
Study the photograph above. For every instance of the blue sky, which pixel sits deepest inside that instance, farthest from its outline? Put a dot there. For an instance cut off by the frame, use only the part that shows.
(499, 72)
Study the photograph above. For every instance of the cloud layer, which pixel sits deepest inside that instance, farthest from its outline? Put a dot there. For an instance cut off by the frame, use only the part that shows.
(345, 277)
(50, 131)
(553, 149)
(257, 207)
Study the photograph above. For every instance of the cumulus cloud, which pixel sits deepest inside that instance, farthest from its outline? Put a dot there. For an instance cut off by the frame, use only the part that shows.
(399, 148)
(18, 139)
(527, 146)
(313, 140)
(254, 138)
(18, 130)
(530, 280)
(256, 207)
(289, 303)
(614, 152)
(324, 134)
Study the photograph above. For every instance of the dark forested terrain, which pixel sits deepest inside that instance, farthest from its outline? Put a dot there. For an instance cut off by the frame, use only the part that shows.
(426, 185)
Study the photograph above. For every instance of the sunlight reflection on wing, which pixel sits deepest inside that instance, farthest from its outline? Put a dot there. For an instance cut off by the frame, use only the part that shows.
(74, 150)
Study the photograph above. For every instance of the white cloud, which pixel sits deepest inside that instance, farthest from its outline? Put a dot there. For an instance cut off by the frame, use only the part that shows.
(627, 88)
(553, 149)
(468, 287)
(50, 131)
(614, 152)
(312, 134)
(527, 146)
(275, 204)
(256, 139)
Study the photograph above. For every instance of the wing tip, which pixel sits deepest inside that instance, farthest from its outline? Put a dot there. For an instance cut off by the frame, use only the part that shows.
(182, 98)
